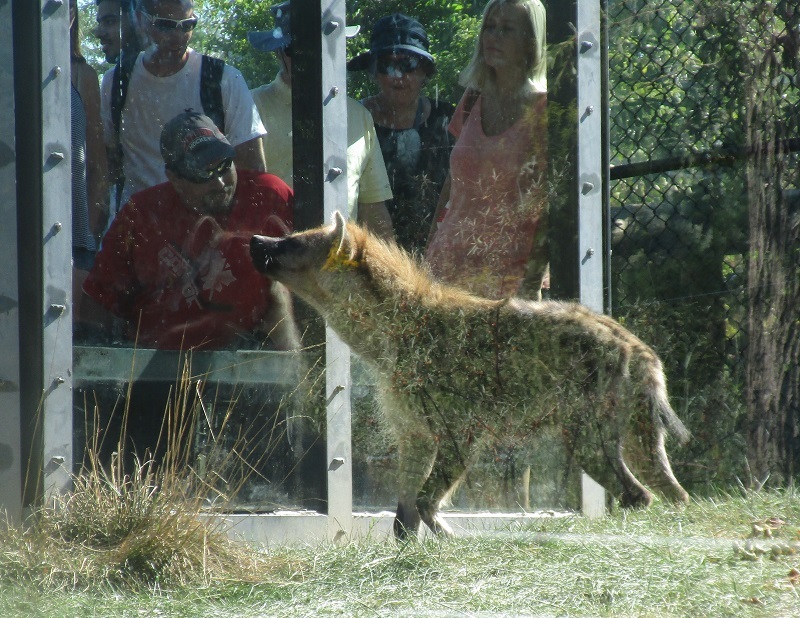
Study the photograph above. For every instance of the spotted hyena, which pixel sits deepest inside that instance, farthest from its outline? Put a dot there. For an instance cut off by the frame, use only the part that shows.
(455, 371)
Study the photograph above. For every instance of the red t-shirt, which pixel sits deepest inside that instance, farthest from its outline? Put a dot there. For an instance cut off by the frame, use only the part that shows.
(184, 280)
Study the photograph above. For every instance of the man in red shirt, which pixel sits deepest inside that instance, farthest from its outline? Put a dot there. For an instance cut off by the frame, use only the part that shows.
(175, 263)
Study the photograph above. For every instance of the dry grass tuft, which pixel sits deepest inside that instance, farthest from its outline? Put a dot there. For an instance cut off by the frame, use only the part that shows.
(141, 531)
(133, 524)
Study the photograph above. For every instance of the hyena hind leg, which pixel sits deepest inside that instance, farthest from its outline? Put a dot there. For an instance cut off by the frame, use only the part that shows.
(658, 473)
(608, 468)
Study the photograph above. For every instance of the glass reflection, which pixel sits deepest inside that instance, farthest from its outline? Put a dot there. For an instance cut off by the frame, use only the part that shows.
(174, 272)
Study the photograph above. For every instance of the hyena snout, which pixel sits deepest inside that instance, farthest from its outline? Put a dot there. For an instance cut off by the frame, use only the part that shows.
(265, 252)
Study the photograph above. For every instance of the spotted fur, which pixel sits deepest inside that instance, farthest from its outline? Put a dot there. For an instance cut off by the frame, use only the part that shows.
(455, 371)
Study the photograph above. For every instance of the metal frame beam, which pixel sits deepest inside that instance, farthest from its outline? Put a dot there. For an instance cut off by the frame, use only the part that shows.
(10, 439)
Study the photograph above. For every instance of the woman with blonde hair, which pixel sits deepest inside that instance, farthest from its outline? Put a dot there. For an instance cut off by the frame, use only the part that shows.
(490, 231)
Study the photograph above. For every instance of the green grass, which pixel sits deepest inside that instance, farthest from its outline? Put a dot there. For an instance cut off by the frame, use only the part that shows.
(662, 562)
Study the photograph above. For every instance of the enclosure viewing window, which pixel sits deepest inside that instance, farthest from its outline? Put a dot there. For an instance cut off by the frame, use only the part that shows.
(186, 355)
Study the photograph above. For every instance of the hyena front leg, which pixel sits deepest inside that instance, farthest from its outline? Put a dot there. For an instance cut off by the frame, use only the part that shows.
(417, 452)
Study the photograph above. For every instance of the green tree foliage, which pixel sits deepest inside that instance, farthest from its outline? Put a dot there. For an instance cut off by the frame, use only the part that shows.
(223, 33)
(451, 27)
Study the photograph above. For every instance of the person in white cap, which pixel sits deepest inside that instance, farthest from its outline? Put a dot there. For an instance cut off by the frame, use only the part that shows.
(368, 186)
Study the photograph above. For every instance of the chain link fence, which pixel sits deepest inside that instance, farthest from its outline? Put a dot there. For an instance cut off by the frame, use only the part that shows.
(679, 204)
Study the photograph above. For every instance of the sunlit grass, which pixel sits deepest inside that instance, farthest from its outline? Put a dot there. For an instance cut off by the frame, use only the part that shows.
(658, 562)
(132, 542)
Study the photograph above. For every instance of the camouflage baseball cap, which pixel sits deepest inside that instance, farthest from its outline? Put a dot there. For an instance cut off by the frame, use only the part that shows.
(191, 142)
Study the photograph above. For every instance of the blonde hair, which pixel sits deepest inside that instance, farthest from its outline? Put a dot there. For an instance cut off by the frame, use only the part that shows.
(476, 75)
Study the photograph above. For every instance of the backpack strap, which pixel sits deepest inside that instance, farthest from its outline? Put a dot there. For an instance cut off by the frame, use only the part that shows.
(211, 71)
(119, 91)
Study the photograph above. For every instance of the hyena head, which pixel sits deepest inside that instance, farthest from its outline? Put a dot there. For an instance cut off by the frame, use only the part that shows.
(307, 262)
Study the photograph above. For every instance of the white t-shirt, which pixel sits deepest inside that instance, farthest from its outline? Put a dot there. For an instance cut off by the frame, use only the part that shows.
(367, 181)
(152, 101)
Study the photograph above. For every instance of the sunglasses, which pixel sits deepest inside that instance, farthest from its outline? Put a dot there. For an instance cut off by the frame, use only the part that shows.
(397, 65)
(201, 176)
(164, 24)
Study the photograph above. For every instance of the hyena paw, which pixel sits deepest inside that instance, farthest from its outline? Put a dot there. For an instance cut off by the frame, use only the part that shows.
(406, 523)
(636, 499)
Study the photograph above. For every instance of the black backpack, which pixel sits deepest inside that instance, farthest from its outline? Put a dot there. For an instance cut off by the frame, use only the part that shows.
(211, 70)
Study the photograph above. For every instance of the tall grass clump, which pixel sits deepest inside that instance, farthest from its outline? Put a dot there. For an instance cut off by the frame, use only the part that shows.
(135, 523)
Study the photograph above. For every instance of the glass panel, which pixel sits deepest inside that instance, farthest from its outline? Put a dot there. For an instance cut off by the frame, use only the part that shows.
(465, 145)
(184, 353)
(180, 278)
(234, 419)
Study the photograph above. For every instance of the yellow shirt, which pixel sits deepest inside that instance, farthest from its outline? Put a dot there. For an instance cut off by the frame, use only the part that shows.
(367, 181)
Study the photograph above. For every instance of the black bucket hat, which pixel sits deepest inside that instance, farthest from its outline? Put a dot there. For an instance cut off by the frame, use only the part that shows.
(391, 34)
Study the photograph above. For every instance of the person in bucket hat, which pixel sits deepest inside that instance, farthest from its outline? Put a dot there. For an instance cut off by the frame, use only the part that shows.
(396, 33)
(367, 183)
(411, 127)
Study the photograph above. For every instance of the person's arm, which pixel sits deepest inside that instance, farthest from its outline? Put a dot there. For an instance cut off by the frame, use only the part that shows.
(88, 312)
(375, 216)
(250, 155)
(96, 161)
(104, 291)
(278, 322)
(537, 269)
(441, 205)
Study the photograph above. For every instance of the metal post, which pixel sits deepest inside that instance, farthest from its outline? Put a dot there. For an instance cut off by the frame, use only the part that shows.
(590, 155)
(44, 229)
(320, 177)
(590, 183)
(10, 455)
(577, 214)
(54, 414)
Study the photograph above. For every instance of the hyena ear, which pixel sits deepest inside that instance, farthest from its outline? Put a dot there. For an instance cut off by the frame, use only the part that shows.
(339, 233)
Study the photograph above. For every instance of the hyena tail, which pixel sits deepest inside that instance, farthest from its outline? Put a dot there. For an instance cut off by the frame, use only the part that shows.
(657, 392)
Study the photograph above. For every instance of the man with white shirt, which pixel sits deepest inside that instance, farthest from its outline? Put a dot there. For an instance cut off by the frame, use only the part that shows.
(164, 81)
